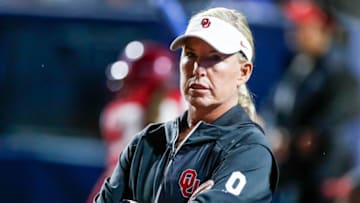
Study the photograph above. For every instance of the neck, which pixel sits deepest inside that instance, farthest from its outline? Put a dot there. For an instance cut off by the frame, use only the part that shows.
(207, 114)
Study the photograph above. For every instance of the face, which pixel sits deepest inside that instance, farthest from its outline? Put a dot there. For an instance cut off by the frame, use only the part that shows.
(311, 37)
(210, 79)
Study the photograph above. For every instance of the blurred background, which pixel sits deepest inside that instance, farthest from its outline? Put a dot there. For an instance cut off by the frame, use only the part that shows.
(56, 80)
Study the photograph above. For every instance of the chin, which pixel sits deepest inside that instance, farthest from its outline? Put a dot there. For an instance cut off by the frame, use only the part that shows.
(197, 102)
(200, 102)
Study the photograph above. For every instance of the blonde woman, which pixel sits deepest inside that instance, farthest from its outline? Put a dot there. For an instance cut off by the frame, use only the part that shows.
(214, 152)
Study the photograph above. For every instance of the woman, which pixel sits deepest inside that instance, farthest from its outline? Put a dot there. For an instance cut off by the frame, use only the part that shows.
(214, 152)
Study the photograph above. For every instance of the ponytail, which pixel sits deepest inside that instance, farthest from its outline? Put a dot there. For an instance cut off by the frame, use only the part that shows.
(246, 101)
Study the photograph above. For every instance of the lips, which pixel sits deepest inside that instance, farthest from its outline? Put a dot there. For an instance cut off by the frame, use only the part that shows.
(198, 86)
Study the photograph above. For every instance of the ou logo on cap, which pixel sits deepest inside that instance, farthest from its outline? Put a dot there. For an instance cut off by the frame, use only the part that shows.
(205, 22)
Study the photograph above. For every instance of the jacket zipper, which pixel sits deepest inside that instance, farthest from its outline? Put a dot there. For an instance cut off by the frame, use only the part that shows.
(172, 155)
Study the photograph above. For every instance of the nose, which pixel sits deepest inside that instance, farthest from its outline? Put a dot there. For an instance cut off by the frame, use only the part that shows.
(198, 71)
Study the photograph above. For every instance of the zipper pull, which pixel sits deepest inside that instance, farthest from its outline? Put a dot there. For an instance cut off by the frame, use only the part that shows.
(172, 154)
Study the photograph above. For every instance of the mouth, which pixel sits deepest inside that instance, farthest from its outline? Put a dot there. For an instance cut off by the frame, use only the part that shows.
(198, 86)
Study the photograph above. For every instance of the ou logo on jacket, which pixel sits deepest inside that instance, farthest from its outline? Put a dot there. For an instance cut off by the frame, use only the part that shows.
(188, 182)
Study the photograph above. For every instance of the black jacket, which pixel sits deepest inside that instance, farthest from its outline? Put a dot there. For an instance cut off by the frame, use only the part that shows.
(232, 151)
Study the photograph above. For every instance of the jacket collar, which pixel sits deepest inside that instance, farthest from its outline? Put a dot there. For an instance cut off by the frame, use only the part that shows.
(234, 116)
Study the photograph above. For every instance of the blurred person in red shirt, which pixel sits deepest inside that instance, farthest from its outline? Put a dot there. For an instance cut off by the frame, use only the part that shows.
(145, 86)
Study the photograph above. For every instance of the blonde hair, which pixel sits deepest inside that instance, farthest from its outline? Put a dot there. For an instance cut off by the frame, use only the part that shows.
(238, 20)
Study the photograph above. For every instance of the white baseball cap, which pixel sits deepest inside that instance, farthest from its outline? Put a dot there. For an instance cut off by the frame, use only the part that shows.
(221, 35)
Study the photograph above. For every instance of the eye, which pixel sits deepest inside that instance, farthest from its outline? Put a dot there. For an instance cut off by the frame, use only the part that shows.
(190, 54)
(216, 57)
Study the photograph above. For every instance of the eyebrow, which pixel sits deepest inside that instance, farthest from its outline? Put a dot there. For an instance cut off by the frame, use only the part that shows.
(211, 51)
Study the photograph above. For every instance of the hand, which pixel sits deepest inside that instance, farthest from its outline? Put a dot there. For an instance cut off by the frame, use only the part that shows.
(202, 188)
(128, 201)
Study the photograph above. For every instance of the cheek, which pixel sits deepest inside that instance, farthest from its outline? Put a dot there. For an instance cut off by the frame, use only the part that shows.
(185, 69)
(184, 75)
(227, 83)
(307, 37)
(227, 79)
(182, 79)
(229, 73)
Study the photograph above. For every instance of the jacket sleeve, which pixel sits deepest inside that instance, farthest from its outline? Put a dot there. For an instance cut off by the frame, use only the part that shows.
(244, 175)
(114, 188)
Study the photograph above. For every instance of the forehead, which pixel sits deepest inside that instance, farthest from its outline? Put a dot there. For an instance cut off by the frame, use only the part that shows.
(315, 24)
(196, 43)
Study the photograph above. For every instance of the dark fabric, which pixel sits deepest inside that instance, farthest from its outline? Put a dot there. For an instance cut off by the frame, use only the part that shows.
(232, 146)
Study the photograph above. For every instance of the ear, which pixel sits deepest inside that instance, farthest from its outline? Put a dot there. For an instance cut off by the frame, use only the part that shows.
(246, 69)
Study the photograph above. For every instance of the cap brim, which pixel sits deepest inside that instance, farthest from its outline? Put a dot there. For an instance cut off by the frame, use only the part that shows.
(181, 41)
(178, 42)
